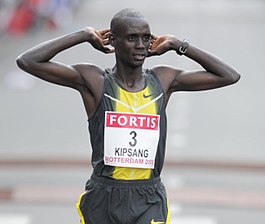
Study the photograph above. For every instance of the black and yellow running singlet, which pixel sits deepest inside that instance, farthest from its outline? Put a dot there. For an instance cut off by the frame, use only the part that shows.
(128, 130)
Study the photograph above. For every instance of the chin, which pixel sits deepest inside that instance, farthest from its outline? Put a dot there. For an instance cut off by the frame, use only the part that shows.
(138, 63)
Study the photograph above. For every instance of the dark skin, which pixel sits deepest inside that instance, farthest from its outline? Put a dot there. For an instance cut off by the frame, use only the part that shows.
(131, 42)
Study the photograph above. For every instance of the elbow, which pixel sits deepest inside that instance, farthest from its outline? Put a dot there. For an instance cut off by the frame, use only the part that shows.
(22, 62)
(235, 77)
(232, 79)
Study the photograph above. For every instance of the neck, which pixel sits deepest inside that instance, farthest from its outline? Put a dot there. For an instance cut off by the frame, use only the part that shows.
(130, 79)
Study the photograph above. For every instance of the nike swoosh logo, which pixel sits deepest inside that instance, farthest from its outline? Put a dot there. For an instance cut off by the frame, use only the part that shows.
(147, 96)
(154, 222)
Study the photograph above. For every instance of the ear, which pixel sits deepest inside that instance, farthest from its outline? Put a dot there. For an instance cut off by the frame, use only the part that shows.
(112, 39)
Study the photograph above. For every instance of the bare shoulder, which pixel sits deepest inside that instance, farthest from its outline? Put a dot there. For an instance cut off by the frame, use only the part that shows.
(90, 73)
(93, 78)
(167, 75)
(86, 70)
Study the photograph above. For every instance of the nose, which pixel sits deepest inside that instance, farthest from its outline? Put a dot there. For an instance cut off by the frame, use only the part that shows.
(140, 43)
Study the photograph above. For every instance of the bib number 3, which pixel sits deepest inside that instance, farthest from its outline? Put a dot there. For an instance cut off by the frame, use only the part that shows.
(134, 140)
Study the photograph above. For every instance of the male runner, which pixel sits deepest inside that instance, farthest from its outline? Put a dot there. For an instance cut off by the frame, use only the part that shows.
(125, 106)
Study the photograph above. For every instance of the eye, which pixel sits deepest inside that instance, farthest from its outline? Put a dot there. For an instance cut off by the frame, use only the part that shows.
(131, 38)
(147, 37)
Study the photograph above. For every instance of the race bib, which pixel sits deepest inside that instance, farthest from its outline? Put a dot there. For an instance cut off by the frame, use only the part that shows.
(131, 139)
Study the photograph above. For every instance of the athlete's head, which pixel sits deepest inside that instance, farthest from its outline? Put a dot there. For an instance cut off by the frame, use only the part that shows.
(130, 36)
(120, 18)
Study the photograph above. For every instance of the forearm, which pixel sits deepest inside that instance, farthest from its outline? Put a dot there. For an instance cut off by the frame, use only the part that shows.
(209, 62)
(47, 50)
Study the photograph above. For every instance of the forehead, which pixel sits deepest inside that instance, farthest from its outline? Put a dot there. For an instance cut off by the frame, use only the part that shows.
(133, 25)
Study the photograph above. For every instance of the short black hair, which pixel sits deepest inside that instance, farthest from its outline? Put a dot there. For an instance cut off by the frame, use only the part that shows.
(121, 15)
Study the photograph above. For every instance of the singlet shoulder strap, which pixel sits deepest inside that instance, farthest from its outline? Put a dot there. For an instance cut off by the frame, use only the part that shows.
(151, 75)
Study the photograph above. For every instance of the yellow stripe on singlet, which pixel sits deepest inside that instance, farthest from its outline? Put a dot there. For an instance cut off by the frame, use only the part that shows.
(137, 102)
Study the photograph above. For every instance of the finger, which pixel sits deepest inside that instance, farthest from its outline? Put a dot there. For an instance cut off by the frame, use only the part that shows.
(154, 37)
(104, 32)
(106, 42)
(112, 50)
(150, 53)
(109, 50)
(106, 36)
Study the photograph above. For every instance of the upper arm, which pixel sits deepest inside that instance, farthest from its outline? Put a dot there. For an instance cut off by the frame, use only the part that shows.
(197, 80)
(174, 79)
(54, 72)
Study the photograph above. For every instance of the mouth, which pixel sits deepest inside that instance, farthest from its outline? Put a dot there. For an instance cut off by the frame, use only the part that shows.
(139, 57)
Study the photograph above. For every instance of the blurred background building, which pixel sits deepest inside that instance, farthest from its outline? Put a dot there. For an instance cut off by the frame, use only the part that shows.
(215, 161)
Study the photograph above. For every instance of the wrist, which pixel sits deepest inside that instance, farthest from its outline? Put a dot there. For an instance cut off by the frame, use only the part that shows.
(88, 33)
(183, 47)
